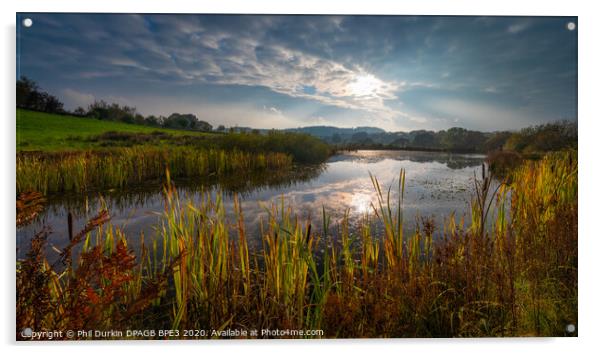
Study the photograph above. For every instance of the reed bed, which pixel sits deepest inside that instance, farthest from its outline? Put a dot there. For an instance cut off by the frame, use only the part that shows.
(508, 270)
(121, 167)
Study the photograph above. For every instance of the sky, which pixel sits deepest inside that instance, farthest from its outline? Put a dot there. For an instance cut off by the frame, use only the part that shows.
(398, 73)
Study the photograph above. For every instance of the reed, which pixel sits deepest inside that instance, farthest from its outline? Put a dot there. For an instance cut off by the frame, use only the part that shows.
(508, 270)
(99, 170)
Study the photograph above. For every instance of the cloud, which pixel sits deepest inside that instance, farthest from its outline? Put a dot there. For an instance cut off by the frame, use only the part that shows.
(244, 61)
(360, 67)
(126, 62)
(188, 50)
(74, 99)
(275, 110)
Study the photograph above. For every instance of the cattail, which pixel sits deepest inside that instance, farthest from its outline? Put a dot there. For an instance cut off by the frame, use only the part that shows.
(70, 225)
(483, 170)
(308, 233)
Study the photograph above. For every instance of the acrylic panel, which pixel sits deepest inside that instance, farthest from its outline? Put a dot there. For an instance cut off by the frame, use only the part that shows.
(194, 176)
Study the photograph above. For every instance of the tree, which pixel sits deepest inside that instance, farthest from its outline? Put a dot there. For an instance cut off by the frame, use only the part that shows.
(203, 126)
(221, 128)
(104, 111)
(400, 142)
(79, 111)
(152, 121)
(98, 110)
(139, 119)
(25, 87)
(186, 121)
(496, 141)
(29, 96)
(52, 104)
(336, 138)
(545, 137)
(424, 139)
(359, 137)
(460, 139)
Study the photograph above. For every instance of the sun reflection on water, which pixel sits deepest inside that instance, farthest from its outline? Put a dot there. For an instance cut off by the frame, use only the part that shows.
(360, 202)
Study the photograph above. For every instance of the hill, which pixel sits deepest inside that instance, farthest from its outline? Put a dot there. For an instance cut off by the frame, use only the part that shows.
(324, 131)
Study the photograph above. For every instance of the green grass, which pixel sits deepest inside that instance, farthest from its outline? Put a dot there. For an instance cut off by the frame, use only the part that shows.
(52, 132)
(55, 133)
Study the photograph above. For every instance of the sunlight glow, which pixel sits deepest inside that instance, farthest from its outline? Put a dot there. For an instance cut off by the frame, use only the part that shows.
(365, 85)
(361, 203)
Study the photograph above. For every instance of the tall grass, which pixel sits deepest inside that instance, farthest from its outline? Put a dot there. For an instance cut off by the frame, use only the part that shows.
(509, 270)
(121, 167)
(303, 148)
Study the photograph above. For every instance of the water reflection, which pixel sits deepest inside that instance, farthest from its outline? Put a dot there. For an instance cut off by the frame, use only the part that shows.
(437, 184)
(451, 160)
(121, 201)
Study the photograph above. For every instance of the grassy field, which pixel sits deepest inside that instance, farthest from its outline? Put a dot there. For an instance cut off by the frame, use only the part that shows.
(57, 154)
(52, 132)
(49, 133)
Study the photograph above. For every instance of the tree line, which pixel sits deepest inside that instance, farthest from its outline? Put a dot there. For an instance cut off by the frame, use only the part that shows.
(538, 138)
(30, 96)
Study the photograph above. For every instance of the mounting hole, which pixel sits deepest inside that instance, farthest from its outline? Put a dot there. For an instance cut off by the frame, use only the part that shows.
(27, 22)
(571, 26)
(570, 328)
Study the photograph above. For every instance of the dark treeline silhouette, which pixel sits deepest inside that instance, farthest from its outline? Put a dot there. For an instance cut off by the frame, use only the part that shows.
(534, 139)
(538, 138)
(104, 111)
(29, 96)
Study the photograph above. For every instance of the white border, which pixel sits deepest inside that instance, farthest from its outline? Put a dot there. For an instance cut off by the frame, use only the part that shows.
(589, 140)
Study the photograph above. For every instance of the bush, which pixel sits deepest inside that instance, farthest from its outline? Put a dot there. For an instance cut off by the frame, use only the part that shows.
(543, 138)
(501, 163)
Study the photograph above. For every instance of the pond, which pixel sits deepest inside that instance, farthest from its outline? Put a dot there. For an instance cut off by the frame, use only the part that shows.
(437, 185)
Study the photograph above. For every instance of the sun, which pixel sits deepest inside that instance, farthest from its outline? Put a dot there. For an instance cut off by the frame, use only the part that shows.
(364, 85)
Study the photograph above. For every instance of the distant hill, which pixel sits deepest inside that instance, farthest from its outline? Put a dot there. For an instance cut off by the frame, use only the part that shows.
(328, 131)
(321, 131)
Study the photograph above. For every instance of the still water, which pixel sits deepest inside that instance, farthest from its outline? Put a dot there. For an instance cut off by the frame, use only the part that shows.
(436, 185)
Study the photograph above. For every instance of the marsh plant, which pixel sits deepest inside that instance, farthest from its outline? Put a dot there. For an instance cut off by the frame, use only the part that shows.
(121, 167)
(508, 270)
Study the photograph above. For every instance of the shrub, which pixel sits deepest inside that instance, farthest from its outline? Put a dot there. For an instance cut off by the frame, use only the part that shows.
(501, 163)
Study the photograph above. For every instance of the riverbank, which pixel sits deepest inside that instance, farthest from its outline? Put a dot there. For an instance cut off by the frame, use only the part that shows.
(59, 153)
(43, 132)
